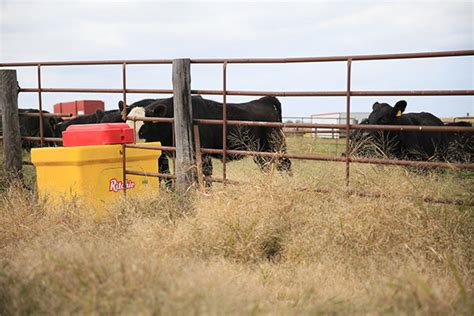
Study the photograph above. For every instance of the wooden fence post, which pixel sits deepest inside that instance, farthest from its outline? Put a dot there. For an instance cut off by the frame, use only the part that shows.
(183, 125)
(10, 124)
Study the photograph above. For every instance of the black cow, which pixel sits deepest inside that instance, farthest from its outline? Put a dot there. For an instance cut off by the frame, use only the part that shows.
(418, 145)
(30, 126)
(460, 144)
(408, 144)
(253, 138)
(81, 119)
(110, 116)
(361, 143)
(453, 147)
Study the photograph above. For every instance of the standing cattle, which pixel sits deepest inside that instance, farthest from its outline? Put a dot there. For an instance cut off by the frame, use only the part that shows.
(408, 144)
(254, 138)
(30, 127)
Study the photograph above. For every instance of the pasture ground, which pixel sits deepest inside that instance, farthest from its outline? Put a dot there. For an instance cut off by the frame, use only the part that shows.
(270, 246)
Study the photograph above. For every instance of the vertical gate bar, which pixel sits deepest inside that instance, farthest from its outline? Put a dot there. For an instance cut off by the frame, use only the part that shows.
(173, 153)
(224, 124)
(40, 107)
(348, 112)
(124, 118)
(197, 144)
(124, 91)
(134, 131)
(124, 170)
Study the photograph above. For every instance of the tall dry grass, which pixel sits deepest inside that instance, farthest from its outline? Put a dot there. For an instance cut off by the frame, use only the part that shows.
(271, 246)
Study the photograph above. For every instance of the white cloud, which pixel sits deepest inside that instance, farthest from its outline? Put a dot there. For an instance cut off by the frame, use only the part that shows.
(66, 30)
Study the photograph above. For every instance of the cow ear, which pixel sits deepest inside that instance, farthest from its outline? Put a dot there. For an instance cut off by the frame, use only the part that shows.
(400, 107)
(159, 110)
(376, 106)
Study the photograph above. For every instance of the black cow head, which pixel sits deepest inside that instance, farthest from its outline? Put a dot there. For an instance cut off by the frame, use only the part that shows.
(157, 109)
(142, 103)
(30, 126)
(158, 131)
(384, 114)
(120, 105)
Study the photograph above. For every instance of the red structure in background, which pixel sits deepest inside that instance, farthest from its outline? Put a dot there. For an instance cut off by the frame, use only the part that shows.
(81, 107)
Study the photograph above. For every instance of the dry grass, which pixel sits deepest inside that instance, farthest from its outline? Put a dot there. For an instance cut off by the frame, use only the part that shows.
(272, 246)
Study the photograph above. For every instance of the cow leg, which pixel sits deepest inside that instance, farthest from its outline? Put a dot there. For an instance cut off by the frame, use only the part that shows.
(279, 145)
(274, 142)
(263, 143)
(207, 169)
(284, 165)
(264, 163)
(164, 167)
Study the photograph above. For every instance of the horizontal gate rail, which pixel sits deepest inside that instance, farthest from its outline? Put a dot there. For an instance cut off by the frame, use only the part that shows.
(46, 114)
(151, 174)
(172, 176)
(151, 119)
(457, 53)
(416, 128)
(468, 166)
(90, 90)
(89, 63)
(333, 58)
(262, 93)
(38, 138)
(336, 93)
(150, 147)
(46, 139)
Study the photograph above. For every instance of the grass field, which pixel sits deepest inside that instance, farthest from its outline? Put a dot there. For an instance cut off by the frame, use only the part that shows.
(270, 246)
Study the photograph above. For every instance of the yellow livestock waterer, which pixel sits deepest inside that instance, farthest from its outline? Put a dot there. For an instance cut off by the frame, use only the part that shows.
(93, 174)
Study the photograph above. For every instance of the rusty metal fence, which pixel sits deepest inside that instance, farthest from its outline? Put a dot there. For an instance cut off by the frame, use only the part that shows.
(348, 93)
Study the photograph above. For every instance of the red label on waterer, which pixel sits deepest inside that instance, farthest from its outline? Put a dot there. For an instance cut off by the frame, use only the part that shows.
(117, 185)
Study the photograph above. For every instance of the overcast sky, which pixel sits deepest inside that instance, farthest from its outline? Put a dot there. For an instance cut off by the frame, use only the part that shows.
(89, 30)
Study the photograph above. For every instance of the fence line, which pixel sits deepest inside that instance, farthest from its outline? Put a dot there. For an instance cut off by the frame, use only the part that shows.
(456, 53)
(263, 93)
(348, 93)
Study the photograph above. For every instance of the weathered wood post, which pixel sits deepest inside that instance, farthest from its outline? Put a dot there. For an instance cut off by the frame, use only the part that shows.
(183, 125)
(10, 124)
